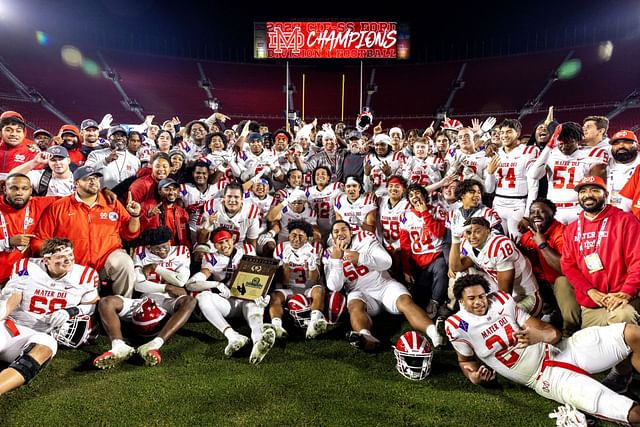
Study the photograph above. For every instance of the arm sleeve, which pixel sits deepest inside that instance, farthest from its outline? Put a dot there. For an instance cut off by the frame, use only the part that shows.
(335, 274)
(175, 278)
(376, 257)
(148, 287)
(538, 169)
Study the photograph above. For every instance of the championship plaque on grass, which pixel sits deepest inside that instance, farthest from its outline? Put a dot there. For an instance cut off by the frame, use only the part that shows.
(253, 277)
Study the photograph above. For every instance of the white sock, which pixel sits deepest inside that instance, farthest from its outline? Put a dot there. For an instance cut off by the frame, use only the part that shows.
(432, 332)
(277, 322)
(253, 316)
(230, 333)
(364, 332)
(118, 344)
(316, 314)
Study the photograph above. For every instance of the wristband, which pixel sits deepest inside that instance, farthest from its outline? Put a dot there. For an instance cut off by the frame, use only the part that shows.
(73, 311)
(542, 245)
(134, 216)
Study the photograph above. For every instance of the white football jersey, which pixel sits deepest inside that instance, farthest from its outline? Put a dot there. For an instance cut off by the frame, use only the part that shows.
(388, 229)
(619, 174)
(289, 215)
(371, 272)
(194, 200)
(512, 170)
(254, 164)
(218, 264)
(178, 260)
(423, 171)
(264, 205)
(321, 202)
(376, 182)
(422, 241)
(299, 261)
(217, 160)
(243, 225)
(43, 295)
(192, 151)
(355, 212)
(500, 254)
(566, 171)
(492, 338)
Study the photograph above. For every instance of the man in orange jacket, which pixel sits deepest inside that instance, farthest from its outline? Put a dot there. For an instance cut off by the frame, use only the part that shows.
(14, 147)
(96, 229)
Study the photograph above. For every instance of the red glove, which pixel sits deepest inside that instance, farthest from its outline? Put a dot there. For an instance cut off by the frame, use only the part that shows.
(553, 141)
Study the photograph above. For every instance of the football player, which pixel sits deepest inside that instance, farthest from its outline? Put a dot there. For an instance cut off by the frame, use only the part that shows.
(294, 207)
(215, 275)
(41, 296)
(161, 272)
(359, 263)
(299, 260)
(321, 197)
(506, 268)
(492, 335)
(381, 165)
(359, 210)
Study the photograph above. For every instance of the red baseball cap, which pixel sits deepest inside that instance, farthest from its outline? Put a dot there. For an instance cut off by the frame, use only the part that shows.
(591, 180)
(13, 115)
(624, 134)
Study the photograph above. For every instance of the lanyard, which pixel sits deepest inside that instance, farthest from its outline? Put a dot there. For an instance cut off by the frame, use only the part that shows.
(600, 233)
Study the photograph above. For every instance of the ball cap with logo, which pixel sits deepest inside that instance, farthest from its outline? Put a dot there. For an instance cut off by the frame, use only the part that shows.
(84, 172)
(58, 151)
(591, 180)
(624, 134)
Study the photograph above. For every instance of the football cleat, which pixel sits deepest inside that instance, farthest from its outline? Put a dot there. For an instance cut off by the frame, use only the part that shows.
(112, 358)
(235, 344)
(280, 331)
(316, 327)
(568, 416)
(264, 344)
(364, 342)
(150, 354)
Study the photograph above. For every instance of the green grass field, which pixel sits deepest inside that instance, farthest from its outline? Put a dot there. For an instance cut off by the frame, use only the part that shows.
(303, 383)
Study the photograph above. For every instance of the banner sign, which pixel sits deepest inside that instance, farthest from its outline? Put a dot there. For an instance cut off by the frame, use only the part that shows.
(327, 40)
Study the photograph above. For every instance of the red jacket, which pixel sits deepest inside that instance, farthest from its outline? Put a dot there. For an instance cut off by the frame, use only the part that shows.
(10, 157)
(175, 217)
(95, 231)
(15, 220)
(144, 188)
(421, 237)
(619, 252)
(541, 269)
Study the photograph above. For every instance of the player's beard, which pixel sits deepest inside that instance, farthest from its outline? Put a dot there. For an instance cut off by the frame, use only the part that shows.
(625, 156)
(597, 207)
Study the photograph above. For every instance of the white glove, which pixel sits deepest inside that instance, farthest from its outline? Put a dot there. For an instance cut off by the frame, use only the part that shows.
(106, 121)
(312, 263)
(457, 233)
(225, 292)
(258, 176)
(488, 124)
(265, 238)
(263, 301)
(57, 319)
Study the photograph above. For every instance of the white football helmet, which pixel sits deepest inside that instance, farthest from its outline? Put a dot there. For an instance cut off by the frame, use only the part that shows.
(76, 331)
(299, 308)
(413, 355)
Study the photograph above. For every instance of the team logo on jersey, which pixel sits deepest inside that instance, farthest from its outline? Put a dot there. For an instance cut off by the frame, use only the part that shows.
(113, 216)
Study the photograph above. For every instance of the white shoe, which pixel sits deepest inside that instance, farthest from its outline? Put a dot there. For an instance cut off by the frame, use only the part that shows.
(316, 327)
(568, 416)
(150, 353)
(263, 345)
(112, 358)
(436, 338)
(235, 344)
(280, 331)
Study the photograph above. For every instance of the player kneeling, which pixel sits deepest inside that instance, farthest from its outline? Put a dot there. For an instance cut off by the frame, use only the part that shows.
(299, 260)
(360, 263)
(162, 271)
(42, 297)
(492, 334)
(216, 307)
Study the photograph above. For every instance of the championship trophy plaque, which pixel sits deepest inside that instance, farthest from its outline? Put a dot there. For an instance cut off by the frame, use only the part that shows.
(253, 277)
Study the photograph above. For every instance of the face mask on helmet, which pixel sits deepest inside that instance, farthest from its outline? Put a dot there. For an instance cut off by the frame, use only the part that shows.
(300, 309)
(335, 307)
(147, 318)
(413, 356)
(76, 331)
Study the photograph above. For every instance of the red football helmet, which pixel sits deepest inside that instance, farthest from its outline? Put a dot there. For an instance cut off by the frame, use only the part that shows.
(413, 355)
(335, 306)
(147, 318)
(300, 309)
(76, 331)
(452, 124)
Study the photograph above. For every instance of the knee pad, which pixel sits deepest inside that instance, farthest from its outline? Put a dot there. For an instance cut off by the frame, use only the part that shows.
(26, 365)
